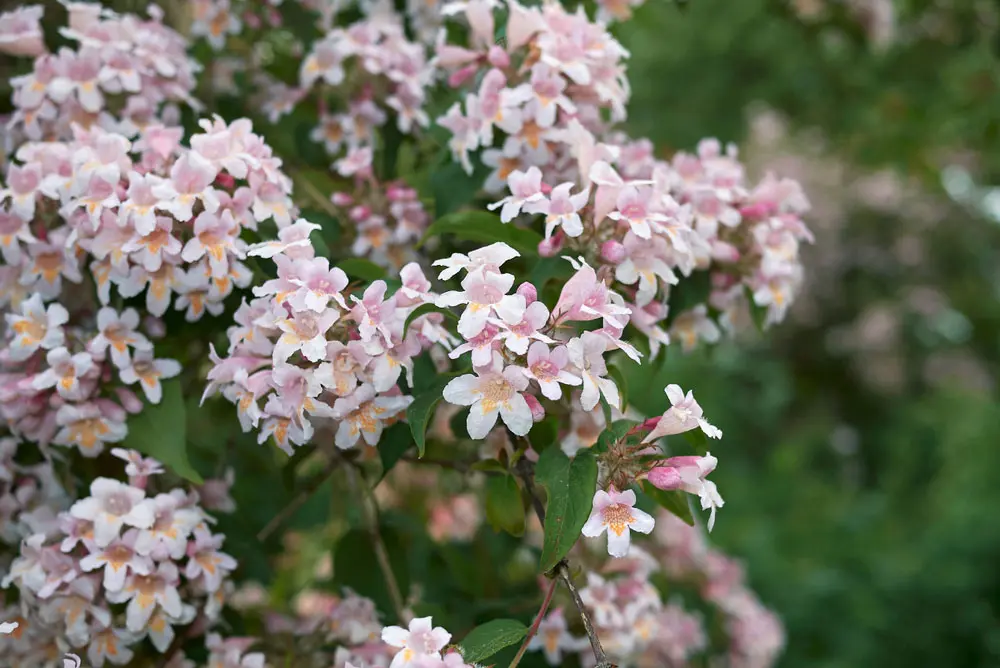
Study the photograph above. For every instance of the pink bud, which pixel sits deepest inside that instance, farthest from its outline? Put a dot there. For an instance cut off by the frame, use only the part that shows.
(537, 410)
(110, 409)
(613, 251)
(459, 77)
(498, 57)
(155, 327)
(395, 192)
(725, 252)
(225, 181)
(549, 247)
(758, 210)
(274, 17)
(129, 400)
(664, 477)
(360, 213)
(341, 199)
(251, 20)
(529, 292)
(546, 189)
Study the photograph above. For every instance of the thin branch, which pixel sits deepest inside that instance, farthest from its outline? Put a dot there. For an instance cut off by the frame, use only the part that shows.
(298, 501)
(538, 620)
(562, 569)
(370, 509)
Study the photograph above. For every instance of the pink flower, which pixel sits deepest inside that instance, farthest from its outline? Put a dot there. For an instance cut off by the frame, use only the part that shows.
(218, 238)
(151, 247)
(363, 415)
(206, 560)
(112, 505)
(140, 203)
(485, 292)
(304, 331)
(80, 76)
(293, 238)
(36, 327)
(489, 258)
(358, 163)
(683, 415)
(418, 641)
(491, 392)
(546, 367)
(633, 207)
(137, 466)
(561, 210)
(586, 353)
(688, 473)
(694, 325)
(118, 334)
(554, 638)
(518, 335)
(147, 372)
(191, 180)
(584, 297)
(89, 427)
(643, 264)
(318, 284)
(21, 31)
(615, 512)
(373, 313)
(117, 557)
(13, 230)
(145, 591)
(526, 192)
(481, 345)
(23, 184)
(64, 373)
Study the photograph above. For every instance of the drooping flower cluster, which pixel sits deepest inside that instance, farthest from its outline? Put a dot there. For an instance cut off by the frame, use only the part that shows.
(387, 220)
(374, 72)
(120, 565)
(311, 351)
(123, 74)
(551, 68)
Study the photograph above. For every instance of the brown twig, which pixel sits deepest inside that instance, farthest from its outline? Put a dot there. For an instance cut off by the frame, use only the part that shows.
(534, 627)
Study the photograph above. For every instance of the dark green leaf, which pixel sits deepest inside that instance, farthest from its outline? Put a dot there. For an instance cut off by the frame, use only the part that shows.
(757, 313)
(485, 227)
(354, 565)
(492, 465)
(159, 431)
(569, 485)
(504, 509)
(289, 471)
(395, 441)
(544, 433)
(690, 292)
(452, 187)
(361, 268)
(487, 639)
(421, 410)
(697, 439)
(675, 501)
(424, 309)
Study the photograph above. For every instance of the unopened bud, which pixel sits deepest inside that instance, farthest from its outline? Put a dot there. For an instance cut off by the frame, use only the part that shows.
(460, 76)
(498, 57)
(360, 213)
(549, 247)
(537, 410)
(529, 292)
(341, 199)
(664, 477)
(724, 252)
(613, 251)
(128, 399)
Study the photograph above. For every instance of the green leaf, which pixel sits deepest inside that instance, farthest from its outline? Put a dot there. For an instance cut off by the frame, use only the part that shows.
(361, 268)
(504, 509)
(613, 434)
(547, 268)
(452, 187)
(354, 564)
(697, 439)
(690, 292)
(489, 465)
(757, 313)
(486, 227)
(569, 485)
(675, 501)
(395, 441)
(159, 431)
(487, 639)
(544, 433)
(421, 410)
(423, 310)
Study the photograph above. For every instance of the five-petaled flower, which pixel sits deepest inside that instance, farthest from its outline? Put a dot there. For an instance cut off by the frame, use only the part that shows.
(615, 512)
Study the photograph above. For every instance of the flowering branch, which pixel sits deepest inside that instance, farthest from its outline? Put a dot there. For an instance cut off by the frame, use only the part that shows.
(562, 570)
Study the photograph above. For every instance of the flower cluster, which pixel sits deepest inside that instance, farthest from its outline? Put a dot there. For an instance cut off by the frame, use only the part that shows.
(309, 354)
(30, 494)
(387, 219)
(121, 76)
(119, 566)
(514, 340)
(552, 68)
(376, 71)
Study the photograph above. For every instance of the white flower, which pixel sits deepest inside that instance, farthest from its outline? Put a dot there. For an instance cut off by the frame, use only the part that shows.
(419, 641)
(111, 505)
(493, 391)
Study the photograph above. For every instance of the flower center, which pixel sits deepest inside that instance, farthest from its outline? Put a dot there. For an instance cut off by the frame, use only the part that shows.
(497, 390)
(618, 516)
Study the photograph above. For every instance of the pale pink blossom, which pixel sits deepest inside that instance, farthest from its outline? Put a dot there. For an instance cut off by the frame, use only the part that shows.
(688, 473)
(586, 353)
(553, 638)
(363, 415)
(526, 194)
(36, 327)
(489, 258)
(64, 373)
(420, 640)
(485, 293)
(683, 415)
(584, 297)
(117, 557)
(88, 427)
(517, 336)
(117, 333)
(561, 210)
(112, 505)
(547, 368)
(148, 372)
(191, 180)
(493, 391)
(615, 512)
(147, 592)
(207, 561)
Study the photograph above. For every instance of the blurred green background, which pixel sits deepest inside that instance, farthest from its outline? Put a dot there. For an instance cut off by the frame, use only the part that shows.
(861, 458)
